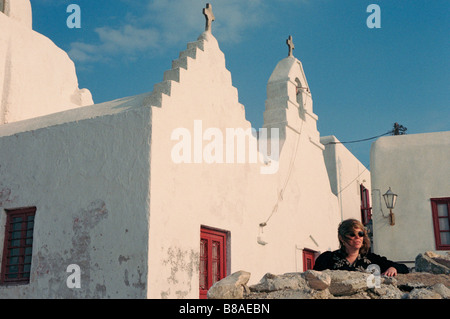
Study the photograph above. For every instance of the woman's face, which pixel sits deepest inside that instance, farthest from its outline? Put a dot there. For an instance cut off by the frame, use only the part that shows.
(354, 239)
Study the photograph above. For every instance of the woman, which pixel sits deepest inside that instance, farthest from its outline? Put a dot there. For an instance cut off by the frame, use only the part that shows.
(354, 252)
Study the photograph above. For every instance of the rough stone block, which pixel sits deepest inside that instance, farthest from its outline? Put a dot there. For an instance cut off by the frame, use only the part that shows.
(231, 287)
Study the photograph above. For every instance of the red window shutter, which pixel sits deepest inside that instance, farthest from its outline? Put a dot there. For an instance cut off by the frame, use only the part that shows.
(203, 264)
(440, 208)
(366, 210)
(212, 259)
(18, 244)
(308, 259)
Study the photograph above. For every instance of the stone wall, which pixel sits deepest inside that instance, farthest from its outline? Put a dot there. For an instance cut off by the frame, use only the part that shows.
(340, 284)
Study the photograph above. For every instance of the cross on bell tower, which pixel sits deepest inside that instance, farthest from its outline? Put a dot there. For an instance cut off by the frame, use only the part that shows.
(209, 15)
(291, 46)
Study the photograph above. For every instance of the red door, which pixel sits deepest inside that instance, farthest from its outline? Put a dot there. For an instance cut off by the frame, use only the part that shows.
(212, 259)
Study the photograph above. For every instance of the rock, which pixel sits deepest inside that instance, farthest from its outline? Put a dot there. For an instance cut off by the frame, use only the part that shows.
(317, 280)
(432, 263)
(271, 282)
(441, 259)
(289, 294)
(231, 287)
(358, 295)
(423, 293)
(389, 281)
(442, 290)
(345, 283)
(387, 292)
(408, 282)
(341, 284)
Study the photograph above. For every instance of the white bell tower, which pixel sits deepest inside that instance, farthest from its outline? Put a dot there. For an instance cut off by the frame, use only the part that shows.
(19, 10)
(289, 104)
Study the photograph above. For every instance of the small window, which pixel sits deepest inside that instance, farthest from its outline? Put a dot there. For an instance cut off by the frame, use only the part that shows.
(308, 259)
(2, 6)
(18, 244)
(440, 208)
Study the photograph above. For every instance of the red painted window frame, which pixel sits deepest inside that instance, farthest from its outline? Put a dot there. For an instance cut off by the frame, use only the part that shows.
(310, 255)
(366, 209)
(25, 244)
(437, 230)
(209, 236)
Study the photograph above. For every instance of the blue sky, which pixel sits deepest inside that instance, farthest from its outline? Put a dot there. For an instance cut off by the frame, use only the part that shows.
(362, 80)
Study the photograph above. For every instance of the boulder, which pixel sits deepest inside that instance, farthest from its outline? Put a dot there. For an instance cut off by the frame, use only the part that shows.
(442, 290)
(423, 293)
(387, 292)
(270, 282)
(346, 283)
(408, 282)
(317, 280)
(231, 287)
(432, 263)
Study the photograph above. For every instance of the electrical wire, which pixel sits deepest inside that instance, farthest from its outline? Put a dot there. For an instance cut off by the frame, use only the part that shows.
(363, 140)
(342, 189)
(288, 177)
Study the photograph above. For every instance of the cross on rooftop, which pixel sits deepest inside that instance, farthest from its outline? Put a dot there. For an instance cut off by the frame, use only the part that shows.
(291, 46)
(209, 15)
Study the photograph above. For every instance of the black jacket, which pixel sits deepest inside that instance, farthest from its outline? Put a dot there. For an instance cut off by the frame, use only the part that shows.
(335, 260)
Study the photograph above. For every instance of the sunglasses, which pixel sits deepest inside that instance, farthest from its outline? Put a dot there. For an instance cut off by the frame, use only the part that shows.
(360, 234)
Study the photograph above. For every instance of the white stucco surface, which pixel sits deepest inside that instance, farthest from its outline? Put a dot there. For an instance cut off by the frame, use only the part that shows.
(81, 170)
(346, 174)
(36, 77)
(20, 11)
(416, 168)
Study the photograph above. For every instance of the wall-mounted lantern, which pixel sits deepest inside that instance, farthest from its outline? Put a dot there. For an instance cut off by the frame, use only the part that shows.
(390, 198)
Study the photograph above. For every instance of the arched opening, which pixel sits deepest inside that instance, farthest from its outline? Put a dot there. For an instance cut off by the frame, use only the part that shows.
(300, 89)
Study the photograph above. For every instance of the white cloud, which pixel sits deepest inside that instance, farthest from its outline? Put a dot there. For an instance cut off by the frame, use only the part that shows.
(127, 39)
(83, 52)
(161, 24)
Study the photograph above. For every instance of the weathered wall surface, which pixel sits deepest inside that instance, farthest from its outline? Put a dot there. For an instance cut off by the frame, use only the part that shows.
(86, 171)
(36, 77)
(416, 168)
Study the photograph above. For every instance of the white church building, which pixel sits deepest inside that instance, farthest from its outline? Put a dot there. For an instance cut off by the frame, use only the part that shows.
(162, 194)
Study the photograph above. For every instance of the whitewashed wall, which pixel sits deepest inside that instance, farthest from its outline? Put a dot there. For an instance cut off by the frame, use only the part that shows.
(20, 11)
(346, 174)
(416, 168)
(86, 171)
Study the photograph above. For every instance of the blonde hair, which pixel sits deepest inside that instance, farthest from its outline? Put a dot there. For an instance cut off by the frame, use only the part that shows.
(349, 226)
